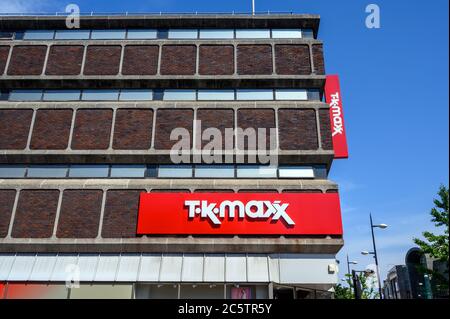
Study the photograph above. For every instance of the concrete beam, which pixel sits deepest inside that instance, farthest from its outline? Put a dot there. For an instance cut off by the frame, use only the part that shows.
(175, 245)
(164, 21)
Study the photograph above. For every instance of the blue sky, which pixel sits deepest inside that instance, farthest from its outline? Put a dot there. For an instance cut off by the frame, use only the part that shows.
(394, 83)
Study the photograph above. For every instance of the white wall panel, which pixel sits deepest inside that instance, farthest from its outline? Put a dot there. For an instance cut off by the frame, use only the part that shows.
(150, 266)
(21, 269)
(43, 268)
(128, 268)
(236, 268)
(192, 270)
(171, 268)
(214, 270)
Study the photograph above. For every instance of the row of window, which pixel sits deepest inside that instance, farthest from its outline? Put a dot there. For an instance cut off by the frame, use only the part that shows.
(149, 34)
(160, 171)
(163, 95)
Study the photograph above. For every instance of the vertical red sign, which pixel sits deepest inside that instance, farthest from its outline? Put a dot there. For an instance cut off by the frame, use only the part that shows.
(334, 99)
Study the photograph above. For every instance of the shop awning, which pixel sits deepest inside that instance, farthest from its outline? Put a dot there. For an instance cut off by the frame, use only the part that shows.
(233, 268)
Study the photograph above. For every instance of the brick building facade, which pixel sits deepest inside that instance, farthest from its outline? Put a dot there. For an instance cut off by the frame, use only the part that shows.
(85, 125)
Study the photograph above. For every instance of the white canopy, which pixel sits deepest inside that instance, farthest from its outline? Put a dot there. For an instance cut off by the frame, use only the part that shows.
(233, 268)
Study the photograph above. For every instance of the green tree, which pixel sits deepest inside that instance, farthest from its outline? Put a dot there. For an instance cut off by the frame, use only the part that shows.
(367, 287)
(437, 245)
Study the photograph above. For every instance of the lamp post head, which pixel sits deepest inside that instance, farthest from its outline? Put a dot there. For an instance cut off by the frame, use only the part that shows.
(382, 226)
(353, 262)
(369, 272)
(365, 252)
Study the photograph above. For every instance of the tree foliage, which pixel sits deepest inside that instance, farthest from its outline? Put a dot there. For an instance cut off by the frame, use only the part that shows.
(368, 290)
(437, 245)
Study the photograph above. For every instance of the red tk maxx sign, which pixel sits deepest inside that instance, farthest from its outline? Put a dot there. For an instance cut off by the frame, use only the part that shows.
(239, 213)
(334, 98)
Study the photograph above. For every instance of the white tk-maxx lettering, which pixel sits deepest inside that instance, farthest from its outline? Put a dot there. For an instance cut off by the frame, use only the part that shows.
(253, 209)
(338, 128)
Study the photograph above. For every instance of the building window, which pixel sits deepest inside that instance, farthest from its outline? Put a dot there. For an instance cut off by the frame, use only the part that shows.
(216, 34)
(5, 35)
(132, 171)
(92, 171)
(175, 171)
(160, 171)
(254, 95)
(179, 95)
(161, 94)
(61, 95)
(100, 95)
(39, 35)
(135, 95)
(214, 171)
(252, 34)
(295, 172)
(183, 34)
(320, 172)
(298, 95)
(142, 34)
(47, 171)
(72, 34)
(314, 95)
(215, 95)
(256, 171)
(12, 171)
(108, 34)
(25, 95)
(286, 33)
(4, 95)
(308, 33)
(136, 34)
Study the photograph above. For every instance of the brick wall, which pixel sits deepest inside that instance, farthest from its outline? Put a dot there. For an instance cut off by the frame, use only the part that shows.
(168, 120)
(298, 129)
(80, 214)
(7, 197)
(318, 59)
(255, 119)
(140, 60)
(92, 129)
(213, 59)
(27, 60)
(216, 60)
(254, 59)
(292, 59)
(4, 52)
(132, 129)
(65, 60)
(51, 129)
(81, 210)
(216, 118)
(120, 216)
(35, 214)
(102, 60)
(325, 129)
(178, 59)
(14, 128)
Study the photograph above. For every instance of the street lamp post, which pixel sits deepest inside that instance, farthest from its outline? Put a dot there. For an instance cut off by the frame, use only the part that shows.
(374, 252)
(350, 263)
